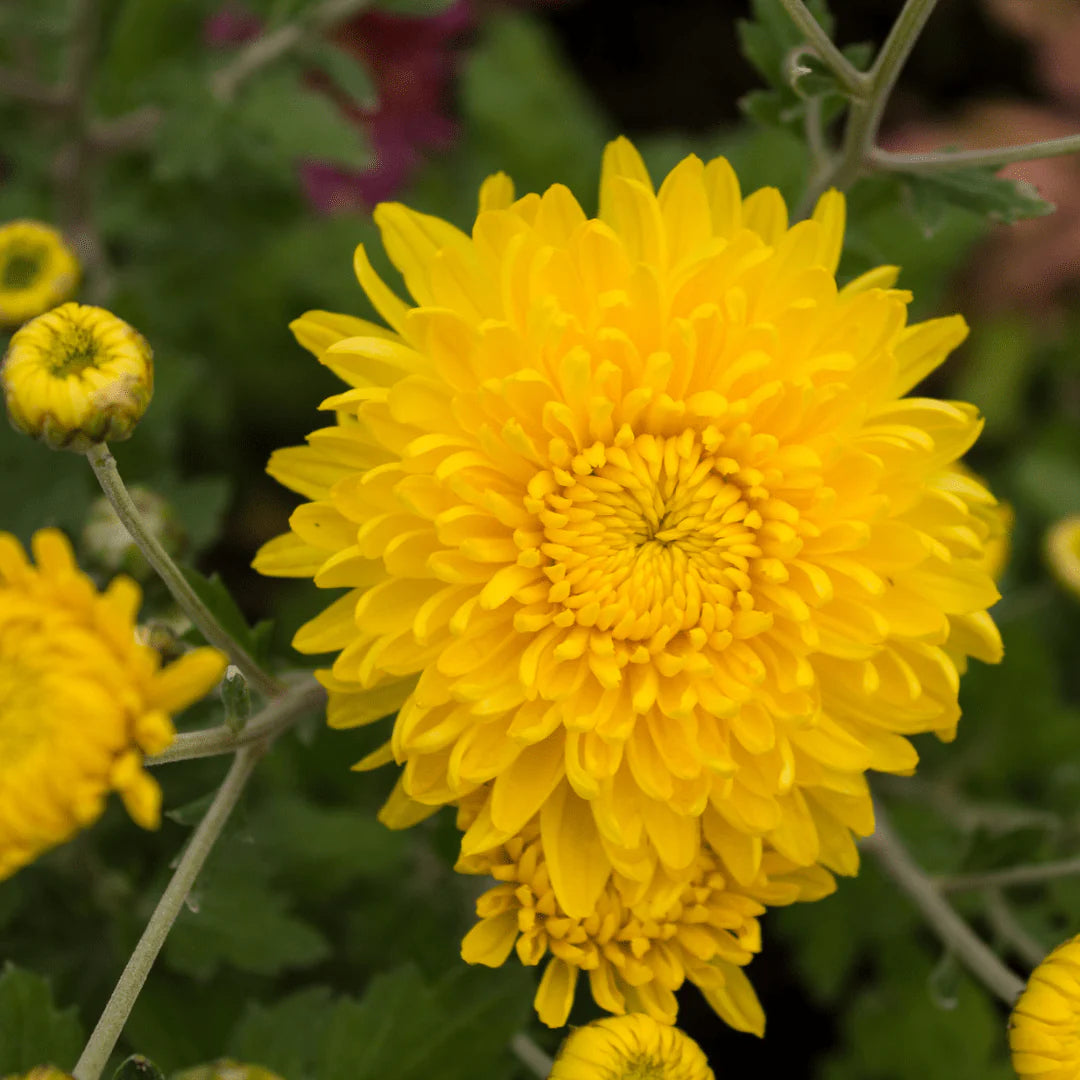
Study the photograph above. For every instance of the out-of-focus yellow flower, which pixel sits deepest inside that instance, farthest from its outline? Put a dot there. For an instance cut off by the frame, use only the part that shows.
(642, 940)
(642, 531)
(77, 376)
(41, 1072)
(1063, 552)
(227, 1070)
(81, 700)
(37, 271)
(1044, 1030)
(633, 1047)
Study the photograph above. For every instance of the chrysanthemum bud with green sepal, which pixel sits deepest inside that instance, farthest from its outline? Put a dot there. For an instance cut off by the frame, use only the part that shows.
(108, 544)
(1063, 552)
(77, 376)
(37, 271)
(236, 697)
(632, 1047)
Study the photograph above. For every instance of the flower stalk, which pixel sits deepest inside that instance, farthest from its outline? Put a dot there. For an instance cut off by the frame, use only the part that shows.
(104, 1038)
(108, 476)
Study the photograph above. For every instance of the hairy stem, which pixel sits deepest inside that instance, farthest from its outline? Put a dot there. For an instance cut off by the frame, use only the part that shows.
(301, 697)
(104, 466)
(1011, 876)
(969, 948)
(102, 1042)
(850, 78)
(961, 159)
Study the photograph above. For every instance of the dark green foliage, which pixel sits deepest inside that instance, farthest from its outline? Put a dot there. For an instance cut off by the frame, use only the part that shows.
(33, 1031)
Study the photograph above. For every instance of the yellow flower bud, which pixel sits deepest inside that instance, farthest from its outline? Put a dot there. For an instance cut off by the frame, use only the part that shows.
(1063, 552)
(1044, 1029)
(632, 1047)
(77, 376)
(37, 271)
(41, 1072)
(228, 1070)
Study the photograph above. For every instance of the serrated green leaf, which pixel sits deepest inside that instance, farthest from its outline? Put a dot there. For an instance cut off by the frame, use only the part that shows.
(33, 1031)
(138, 1067)
(769, 36)
(235, 916)
(286, 1036)
(344, 69)
(978, 191)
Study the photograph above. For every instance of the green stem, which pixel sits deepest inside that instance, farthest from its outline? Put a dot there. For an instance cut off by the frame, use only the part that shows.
(864, 118)
(530, 1055)
(104, 466)
(850, 78)
(103, 1041)
(1006, 925)
(955, 934)
(960, 159)
(1011, 876)
(301, 697)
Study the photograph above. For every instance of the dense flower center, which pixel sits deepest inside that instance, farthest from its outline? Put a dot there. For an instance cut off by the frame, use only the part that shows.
(22, 267)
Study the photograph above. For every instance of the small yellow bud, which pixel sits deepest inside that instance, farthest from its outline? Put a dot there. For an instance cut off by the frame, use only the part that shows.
(41, 1072)
(37, 271)
(228, 1070)
(77, 376)
(1063, 552)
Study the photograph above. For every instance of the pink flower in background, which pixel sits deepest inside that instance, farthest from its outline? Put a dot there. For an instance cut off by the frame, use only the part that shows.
(411, 62)
(232, 25)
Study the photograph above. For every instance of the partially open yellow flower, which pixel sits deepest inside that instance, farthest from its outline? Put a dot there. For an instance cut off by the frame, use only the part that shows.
(81, 701)
(1044, 1030)
(37, 271)
(633, 1047)
(1063, 552)
(77, 376)
(642, 940)
(640, 529)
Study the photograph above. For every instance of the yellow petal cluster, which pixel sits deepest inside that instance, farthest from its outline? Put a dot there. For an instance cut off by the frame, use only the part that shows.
(37, 271)
(41, 1072)
(81, 701)
(633, 1047)
(642, 940)
(1063, 552)
(1044, 1030)
(641, 533)
(77, 376)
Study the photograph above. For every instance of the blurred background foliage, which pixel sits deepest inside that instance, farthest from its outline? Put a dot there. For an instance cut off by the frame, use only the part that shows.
(213, 194)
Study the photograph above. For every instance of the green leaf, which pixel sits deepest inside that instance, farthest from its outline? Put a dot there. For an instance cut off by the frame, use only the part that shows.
(191, 813)
(978, 191)
(138, 1067)
(769, 36)
(32, 1030)
(295, 122)
(286, 1036)
(236, 917)
(344, 69)
(213, 593)
(457, 1029)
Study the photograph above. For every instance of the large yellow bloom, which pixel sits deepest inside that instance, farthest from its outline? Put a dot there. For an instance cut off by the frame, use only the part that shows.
(37, 270)
(632, 1047)
(81, 701)
(640, 530)
(641, 941)
(1044, 1030)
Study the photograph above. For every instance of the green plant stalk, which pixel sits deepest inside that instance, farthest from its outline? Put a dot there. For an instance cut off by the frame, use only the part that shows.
(965, 159)
(942, 918)
(850, 78)
(1011, 876)
(530, 1055)
(278, 715)
(108, 476)
(104, 1038)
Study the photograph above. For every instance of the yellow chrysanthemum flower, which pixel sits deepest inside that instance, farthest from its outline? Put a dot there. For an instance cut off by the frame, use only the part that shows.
(631, 1047)
(642, 940)
(77, 376)
(1063, 552)
(81, 701)
(1044, 1029)
(640, 530)
(37, 271)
